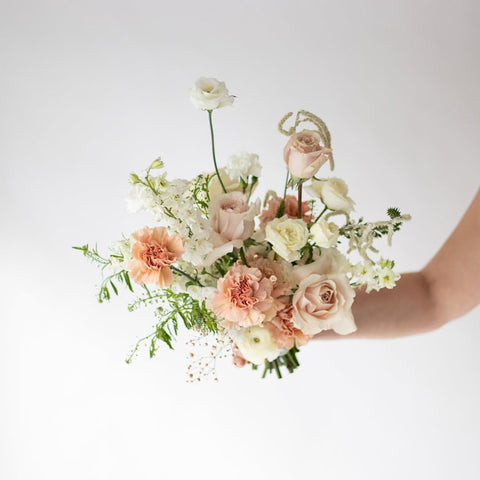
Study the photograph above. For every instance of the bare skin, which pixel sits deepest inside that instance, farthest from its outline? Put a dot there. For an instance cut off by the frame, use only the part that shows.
(447, 288)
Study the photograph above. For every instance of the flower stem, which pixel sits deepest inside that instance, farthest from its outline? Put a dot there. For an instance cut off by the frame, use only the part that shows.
(213, 151)
(277, 368)
(181, 272)
(281, 207)
(300, 189)
(321, 213)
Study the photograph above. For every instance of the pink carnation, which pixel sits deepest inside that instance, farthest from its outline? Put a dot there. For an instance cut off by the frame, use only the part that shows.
(244, 298)
(153, 251)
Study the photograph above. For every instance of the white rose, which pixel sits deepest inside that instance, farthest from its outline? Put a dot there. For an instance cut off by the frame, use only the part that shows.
(256, 344)
(287, 236)
(324, 234)
(333, 192)
(209, 94)
(244, 165)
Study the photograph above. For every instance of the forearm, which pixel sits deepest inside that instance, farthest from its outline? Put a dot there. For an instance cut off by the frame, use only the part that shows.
(447, 288)
(405, 310)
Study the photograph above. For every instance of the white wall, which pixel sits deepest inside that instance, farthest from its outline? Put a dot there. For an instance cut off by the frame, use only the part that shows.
(92, 90)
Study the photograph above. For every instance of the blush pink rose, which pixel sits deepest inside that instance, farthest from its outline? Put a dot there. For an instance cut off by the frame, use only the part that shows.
(291, 210)
(232, 221)
(153, 251)
(244, 298)
(323, 302)
(304, 155)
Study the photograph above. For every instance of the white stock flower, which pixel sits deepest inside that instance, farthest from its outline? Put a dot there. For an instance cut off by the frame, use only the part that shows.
(287, 236)
(244, 165)
(333, 193)
(256, 344)
(209, 94)
(324, 234)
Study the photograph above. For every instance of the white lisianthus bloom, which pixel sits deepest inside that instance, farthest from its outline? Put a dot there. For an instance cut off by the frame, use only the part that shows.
(256, 344)
(244, 165)
(333, 193)
(210, 94)
(324, 234)
(287, 236)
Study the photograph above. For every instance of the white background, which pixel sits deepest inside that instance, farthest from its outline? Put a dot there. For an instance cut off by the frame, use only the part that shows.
(93, 90)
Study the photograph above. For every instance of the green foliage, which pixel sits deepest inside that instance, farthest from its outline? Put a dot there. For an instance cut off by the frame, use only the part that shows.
(393, 212)
(175, 308)
(108, 282)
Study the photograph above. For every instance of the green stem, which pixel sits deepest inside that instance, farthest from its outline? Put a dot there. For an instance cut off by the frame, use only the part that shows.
(321, 213)
(213, 151)
(181, 272)
(277, 368)
(286, 184)
(300, 189)
(265, 369)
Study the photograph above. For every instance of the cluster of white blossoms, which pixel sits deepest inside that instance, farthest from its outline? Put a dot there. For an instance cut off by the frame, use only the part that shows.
(376, 276)
(171, 202)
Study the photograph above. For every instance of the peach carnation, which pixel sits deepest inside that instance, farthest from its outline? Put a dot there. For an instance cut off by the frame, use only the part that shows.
(244, 298)
(291, 210)
(277, 271)
(283, 331)
(153, 251)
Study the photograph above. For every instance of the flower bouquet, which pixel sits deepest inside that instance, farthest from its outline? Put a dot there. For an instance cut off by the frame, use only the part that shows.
(252, 280)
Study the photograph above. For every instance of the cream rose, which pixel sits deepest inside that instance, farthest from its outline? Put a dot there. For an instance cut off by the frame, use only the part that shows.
(256, 344)
(287, 236)
(210, 94)
(324, 234)
(231, 184)
(232, 222)
(304, 155)
(333, 192)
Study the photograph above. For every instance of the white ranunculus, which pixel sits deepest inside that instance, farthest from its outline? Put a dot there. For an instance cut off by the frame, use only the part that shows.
(210, 94)
(256, 344)
(324, 234)
(244, 165)
(333, 193)
(287, 236)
